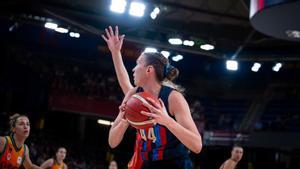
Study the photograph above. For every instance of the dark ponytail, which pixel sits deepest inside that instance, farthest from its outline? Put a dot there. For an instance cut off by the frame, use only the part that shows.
(165, 72)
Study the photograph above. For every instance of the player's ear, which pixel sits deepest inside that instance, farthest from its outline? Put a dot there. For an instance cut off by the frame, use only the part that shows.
(149, 68)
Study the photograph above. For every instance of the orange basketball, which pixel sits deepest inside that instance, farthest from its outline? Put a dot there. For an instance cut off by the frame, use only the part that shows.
(134, 106)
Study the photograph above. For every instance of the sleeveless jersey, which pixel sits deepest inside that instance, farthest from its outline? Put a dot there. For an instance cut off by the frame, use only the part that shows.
(57, 166)
(157, 142)
(11, 157)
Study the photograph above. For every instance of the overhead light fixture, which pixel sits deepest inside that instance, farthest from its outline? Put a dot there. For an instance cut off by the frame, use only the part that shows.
(277, 67)
(104, 122)
(155, 12)
(50, 25)
(175, 41)
(165, 53)
(61, 30)
(207, 47)
(118, 6)
(74, 35)
(232, 65)
(177, 58)
(256, 67)
(293, 33)
(137, 9)
(150, 50)
(188, 43)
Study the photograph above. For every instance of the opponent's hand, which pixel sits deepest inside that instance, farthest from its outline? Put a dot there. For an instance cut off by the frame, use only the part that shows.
(113, 40)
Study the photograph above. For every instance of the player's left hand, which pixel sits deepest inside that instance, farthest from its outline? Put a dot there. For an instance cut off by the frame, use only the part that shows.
(158, 112)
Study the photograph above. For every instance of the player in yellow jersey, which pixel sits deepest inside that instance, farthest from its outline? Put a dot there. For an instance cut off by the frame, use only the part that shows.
(13, 152)
(58, 161)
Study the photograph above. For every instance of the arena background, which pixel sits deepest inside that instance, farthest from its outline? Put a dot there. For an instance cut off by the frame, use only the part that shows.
(66, 84)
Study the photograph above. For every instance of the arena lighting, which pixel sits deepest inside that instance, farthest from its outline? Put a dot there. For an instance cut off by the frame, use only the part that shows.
(256, 67)
(188, 43)
(293, 33)
(207, 47)
(232, 65)
(277, 67)
(177, 58)
(137, 9)
(165, 53)
(50, 25)
(61, 30)
(154, 13)
(118, 6)
(104, 122)
(150, 49)
(175, 41)
(74, 35)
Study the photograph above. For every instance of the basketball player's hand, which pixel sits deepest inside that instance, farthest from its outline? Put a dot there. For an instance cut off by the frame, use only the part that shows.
(158, 112)
(122, 113)
(113, 40)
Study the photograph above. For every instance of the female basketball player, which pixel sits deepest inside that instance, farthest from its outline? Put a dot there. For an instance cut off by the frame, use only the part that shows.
(58, 161)
(163, 145)
(13, 151)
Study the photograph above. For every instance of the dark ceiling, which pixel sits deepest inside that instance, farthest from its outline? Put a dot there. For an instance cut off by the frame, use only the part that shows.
(224, 24)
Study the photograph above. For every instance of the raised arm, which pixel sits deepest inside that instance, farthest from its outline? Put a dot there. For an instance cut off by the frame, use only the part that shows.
(114, 43)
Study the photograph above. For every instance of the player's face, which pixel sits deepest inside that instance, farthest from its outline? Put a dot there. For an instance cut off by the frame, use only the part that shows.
(139, 71)
(237, 153)
(22, 127)
(113, 165)
(61, 153)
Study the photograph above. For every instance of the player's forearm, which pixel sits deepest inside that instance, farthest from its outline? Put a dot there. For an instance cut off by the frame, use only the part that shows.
(116, 133)
(121, 72)
(191, 140)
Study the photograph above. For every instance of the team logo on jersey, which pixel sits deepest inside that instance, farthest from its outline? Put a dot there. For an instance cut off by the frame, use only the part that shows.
(8, 157)
(19, 160)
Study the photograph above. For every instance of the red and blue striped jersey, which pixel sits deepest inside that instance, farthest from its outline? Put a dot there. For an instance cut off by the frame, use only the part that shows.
(157, 142)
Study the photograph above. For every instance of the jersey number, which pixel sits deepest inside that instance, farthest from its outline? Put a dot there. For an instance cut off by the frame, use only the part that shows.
(151, 134)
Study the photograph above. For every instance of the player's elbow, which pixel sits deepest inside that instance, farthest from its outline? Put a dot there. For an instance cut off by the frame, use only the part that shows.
(198, 148)
(112, 144)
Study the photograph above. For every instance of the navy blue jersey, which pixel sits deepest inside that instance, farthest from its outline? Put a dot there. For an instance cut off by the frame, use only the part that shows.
(157, 142)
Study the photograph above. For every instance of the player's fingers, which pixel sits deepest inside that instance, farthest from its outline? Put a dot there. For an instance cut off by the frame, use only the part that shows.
(111, 31)
(117, 31)
(151, 108)
(107, 33)
(104, 38)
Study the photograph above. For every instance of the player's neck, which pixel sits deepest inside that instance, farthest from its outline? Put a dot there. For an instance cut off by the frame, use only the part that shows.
(236, 161)
(59, 161)
(19, 141)
(153, 88)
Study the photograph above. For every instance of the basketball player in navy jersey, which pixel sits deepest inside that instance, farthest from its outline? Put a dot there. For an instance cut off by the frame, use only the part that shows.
(236, 156)
(167, 143)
